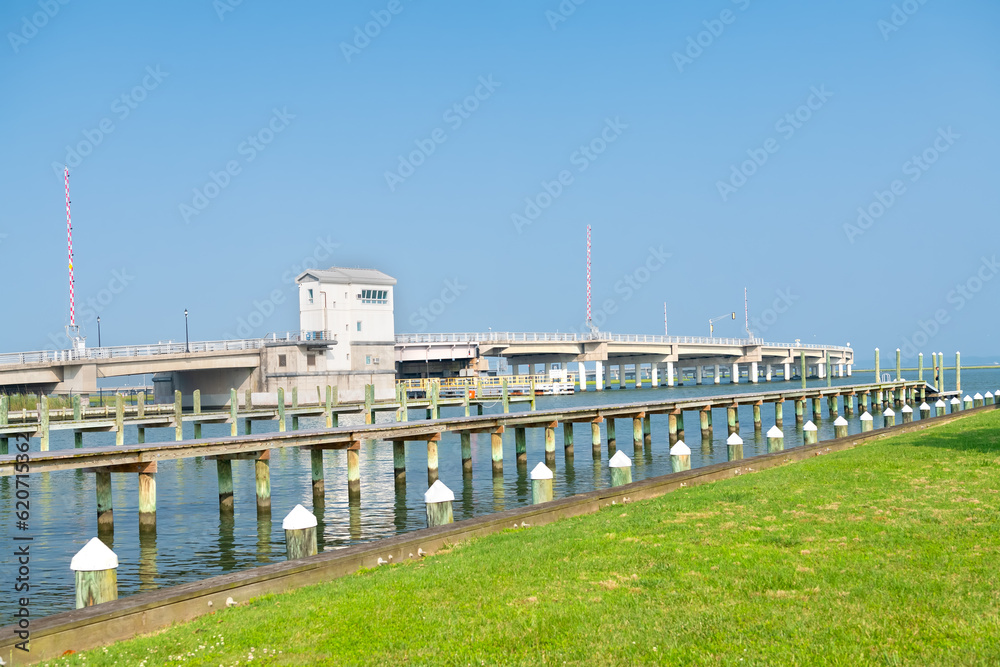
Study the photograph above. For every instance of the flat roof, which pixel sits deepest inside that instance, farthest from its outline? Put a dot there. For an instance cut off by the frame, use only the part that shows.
(340, 275)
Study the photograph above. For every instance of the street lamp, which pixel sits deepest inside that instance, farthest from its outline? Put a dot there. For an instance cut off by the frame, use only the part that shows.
(187, 341)
(98, 331)
(711, 323)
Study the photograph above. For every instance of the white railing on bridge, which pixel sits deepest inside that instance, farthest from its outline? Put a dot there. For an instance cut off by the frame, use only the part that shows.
(509, 337)
(155, 349)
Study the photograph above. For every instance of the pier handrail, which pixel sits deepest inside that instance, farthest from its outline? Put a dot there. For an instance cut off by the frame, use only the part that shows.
(601, 336)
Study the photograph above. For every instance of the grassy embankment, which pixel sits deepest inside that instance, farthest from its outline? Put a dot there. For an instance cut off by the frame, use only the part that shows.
(885, 554)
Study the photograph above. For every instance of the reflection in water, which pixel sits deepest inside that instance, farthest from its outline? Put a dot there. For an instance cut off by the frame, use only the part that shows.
(189, 521)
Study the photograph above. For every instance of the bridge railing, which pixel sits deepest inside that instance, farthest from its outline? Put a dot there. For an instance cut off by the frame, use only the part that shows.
(532, 337)
(154, 349)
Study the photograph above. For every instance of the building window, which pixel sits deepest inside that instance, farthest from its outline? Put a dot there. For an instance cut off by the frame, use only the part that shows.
(376, 296)
(310, 296)
(282, 360)
(359, 325)
(311, 360)
(368, 360)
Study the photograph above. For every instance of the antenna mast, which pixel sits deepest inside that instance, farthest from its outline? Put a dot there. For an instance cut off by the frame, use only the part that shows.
(665, 319)
(72, 331)
(746, 313)
(590, 324)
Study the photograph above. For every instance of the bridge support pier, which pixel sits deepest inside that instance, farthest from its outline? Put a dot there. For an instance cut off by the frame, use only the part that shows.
(581, 374)
(788, 372)
(699, 374)
(767, 373)
(735, 377)
(670, 374)
(718, 375)
(598, 376)
(653, 375)
(754, 370)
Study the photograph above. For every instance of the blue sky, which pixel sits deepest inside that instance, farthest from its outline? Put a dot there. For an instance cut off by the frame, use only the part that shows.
(711, 146)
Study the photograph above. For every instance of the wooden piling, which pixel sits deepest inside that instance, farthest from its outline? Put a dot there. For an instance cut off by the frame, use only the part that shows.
(621, 469)
(775, 440)
(612, 440)
(680, 457)
(78, 416)
(925, 411)
(568, 437)
(810, 433)
(671, 427)
(496, 451)
(262, 476)
(281, 410)
(817, 408)
(956, 405)
(178, 416)
(432, 462)
(328, 412)
(550, 443)
(520, 447)
(958, 372)
(466, 454)
(732, 419)
(734, 447)
(867, 422)
(399, 461)
(849, 404)
(757, 423)
(647, 431)
(779, 413)
(907, 413)
(318, 475)
(637, 438)
(196, 400)
(939, 408)
(802, 368)
(354, 470)
(105, 506)
(119, 420)
(95, 568)
(505, 395)
(703, 422)
(840, 427)
(889, 417)
(300, 532)
(234, 406)
(224, 472)
(43, 419)
(595, 437)
(541, 484)
(147, 496)
(439, 499)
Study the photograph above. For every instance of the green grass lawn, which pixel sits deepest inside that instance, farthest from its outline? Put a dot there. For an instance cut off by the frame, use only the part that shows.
(885, 554)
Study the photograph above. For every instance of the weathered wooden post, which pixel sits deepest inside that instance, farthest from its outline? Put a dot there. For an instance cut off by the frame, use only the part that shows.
(840, 428)
(281, 410)
(734, 447)
(758, 425)
(295, 404)
(520, 447)
(595, 437)
(4, 411)
(432, 461)
(671, 429)
(196, 401)
(300, 533)
(466, 438)
(703, 415)
(810, 434)
(647, 431)
(907, 413)
(399, 461)
(732, 419)
(262, 477)
(988, 398)
(505, 395)
(224, 471)
(568, 438)
(119, 420)
(496, 451)
(234, 407)
(318, 474)
(831, 406)
(800, 410)
(612, 440)
(956, 405)
(43, 419)
(680, 457)
(867, 422)
(77, 416)
(977, 400)
(105, 506)
(621, 469)
(147, 496)
(939, 408)
(817, 408)
(779, 412)
(637, 439)
(775, 440)
(925, 411)
(328, 412)
(178, 416)
(888, 418)
(958, 372)
(878, 370)
(531, 393)
(439, 499)
(354, 471)
(465, 400)
(550, 443)
(96, 572)
(899, 366)
(849, 404)
(541, 484)
(802, 365)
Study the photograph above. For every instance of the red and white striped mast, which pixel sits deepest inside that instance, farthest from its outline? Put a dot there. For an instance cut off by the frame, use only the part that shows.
(590, 324)
(73, 331)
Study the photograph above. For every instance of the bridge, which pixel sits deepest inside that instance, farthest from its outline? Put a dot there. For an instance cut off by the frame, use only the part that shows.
(216, 367)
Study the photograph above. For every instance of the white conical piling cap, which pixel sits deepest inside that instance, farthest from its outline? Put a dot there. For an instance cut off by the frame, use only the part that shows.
(734, 439)
(680, 449)
(978, 397)
(775, 432)
(438, 493)
(809, 426)
(988, 395)
(968, 399)
(924, 406)
(620, 460)
(907, 408)
(298, 519)
(541, 471)
(840, 421)
(955, 401)
(940, 404)
(866, 417)
(95, 556)
(888, 413)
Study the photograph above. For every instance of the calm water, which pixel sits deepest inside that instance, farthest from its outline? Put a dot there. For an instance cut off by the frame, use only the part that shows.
(193, 541)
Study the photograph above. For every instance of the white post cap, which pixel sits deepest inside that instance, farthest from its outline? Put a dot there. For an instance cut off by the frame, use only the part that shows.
(989, 394)
(907, 408)
(541, 471)
(840, 421)
(888, 413)
(620, 460)
(680, 449)
(298, 519)
(809, 426)
(775, 432)
(438, 493)
(955, 401)
(978, 396)
(924, 406)
(968, 399)
(940, 404)
(95, 556)
(866, 417)
(734, 439)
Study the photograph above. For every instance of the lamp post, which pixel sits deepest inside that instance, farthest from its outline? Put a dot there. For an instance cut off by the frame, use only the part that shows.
(711, 323)
(98, 331)
(187, 341)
